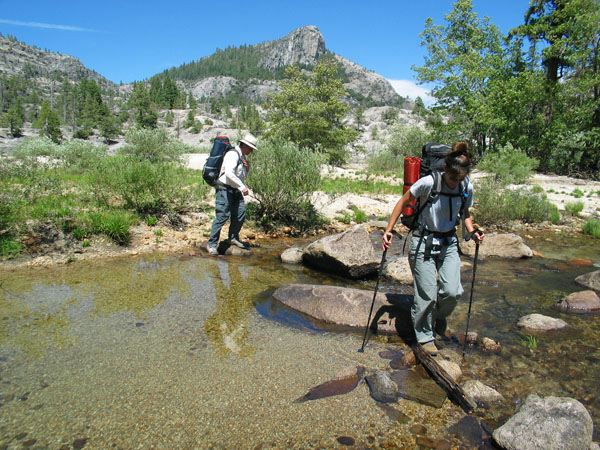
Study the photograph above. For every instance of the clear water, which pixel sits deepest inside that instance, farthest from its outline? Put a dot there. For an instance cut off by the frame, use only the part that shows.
(165, 351)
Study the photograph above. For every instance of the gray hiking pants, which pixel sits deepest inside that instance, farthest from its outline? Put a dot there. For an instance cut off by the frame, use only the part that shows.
(228, 203)
(437, 285)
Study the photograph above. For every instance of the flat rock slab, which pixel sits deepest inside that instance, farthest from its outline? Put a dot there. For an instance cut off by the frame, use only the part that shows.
(418, 386)
(339, 305)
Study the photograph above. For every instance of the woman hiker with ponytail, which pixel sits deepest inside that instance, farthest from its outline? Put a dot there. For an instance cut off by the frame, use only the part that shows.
(434, 244)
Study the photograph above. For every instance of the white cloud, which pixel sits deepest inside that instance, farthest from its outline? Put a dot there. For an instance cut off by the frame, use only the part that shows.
(44, 25)
(410, 89)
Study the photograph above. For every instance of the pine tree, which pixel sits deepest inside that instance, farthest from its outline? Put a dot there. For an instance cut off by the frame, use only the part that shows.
(14, 118)
(48, 123)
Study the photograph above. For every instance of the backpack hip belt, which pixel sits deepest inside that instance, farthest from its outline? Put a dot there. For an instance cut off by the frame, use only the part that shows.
(428, 235)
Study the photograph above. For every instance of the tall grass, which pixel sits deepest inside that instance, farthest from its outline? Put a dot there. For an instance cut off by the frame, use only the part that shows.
(346, 185)
(592, 227)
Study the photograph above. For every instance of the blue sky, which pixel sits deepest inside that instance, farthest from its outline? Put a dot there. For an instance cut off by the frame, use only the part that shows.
(132, 40)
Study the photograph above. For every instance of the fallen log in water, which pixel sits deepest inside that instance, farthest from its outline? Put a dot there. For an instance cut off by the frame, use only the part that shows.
(454, 391)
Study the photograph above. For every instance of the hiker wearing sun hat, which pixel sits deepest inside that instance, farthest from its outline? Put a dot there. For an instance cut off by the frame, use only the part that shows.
(230, 194)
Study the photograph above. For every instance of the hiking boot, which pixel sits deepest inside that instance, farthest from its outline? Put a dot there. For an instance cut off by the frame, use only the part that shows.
(212, 250)
(238, 243)
(440, 327)
(430, 348)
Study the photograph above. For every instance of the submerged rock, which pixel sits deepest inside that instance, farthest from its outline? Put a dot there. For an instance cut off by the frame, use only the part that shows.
(490, 345)
(539, 322)
(350, 254)
(551, 422)
(481, 393)
(330, 388)
(590, 280)
(507, 245)
(580, 302)
(451, 368)
(383, 389)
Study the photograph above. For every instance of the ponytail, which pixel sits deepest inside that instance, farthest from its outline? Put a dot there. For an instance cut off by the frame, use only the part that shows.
(459, 159)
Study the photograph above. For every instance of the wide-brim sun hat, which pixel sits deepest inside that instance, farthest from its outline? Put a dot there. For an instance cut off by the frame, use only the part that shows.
(250, 140)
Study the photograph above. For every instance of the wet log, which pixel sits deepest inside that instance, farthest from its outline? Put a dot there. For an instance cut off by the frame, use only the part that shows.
(439, 375)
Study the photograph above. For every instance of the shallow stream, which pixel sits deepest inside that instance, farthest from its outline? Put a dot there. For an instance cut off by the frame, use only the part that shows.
(165, 351)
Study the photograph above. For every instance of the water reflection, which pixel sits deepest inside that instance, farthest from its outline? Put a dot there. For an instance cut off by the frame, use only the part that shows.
(227, 327)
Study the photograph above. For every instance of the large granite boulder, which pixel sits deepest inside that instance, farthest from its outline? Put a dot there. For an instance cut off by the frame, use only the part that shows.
(507, 245)
(551, 422)
(349, 254)
(590, 280)
(580, 302)
(343, 306)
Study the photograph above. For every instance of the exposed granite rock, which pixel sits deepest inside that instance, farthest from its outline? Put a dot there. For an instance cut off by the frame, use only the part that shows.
(292, 255)
(350, 254)
(580, 302)
(508, 245)
(590, 280)
(551, 422)
(481, 393)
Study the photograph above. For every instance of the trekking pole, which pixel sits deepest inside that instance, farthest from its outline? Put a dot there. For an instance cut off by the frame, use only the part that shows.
(362, 348)
(471, 298)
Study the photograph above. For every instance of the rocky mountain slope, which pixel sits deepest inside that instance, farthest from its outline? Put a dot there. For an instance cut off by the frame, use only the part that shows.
(304, 46)
(44, 68)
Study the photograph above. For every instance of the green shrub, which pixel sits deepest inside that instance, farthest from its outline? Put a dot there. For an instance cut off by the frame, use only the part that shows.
(9, 246)
(83, 133)
(80, 155)
(496, 205)
(405, 141)
(509, 165)
(143, 185)
(592, 227)
(574, 208)
(36, 146)
(577, 193)
(383, 161)
(154, 145)
(282, 180)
